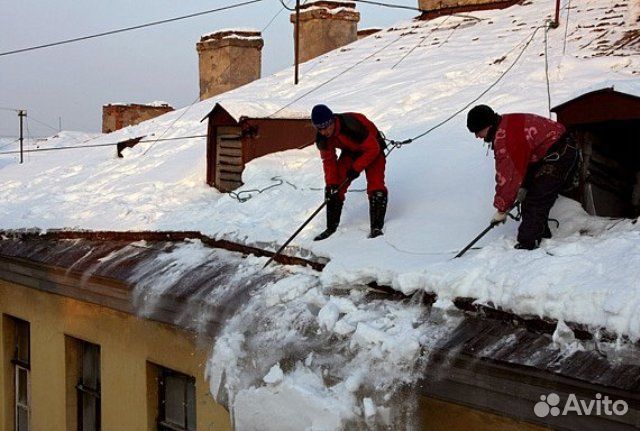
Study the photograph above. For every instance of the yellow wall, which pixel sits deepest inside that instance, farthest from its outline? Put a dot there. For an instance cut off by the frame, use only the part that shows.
(126, 344)
(439, 415)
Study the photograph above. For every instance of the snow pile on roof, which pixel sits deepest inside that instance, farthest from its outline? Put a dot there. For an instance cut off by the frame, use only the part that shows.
(326, 361)
(408, 79)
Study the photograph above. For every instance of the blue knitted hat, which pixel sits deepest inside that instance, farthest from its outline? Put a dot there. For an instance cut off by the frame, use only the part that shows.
(321, 116)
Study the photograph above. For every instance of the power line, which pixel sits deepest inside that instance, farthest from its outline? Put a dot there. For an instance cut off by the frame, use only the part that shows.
(9, 144)
(108, 144)
(566, 27)
(121, 30)
(172, 124)
(421, 41)
(273, 18)
(284, 5)
(305, 94)
(43, 123)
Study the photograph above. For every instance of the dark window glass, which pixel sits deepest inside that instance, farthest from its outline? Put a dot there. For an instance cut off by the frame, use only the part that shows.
(89, 388)
(22, 389)
(22, 342)
(177, 402)
(22, 420)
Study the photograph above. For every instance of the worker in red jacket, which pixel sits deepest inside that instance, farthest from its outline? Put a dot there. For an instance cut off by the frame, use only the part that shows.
(533, 153)
(361, 149)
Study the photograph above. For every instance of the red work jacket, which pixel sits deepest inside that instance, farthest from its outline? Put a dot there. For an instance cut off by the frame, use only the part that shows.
(356, 135)
(520, 140)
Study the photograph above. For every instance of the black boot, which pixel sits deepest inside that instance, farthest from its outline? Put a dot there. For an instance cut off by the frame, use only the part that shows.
(334, 210)
(527, 245)
(377, 211)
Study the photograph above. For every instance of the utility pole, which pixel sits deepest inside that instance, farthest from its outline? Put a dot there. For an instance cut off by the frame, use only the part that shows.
(21, 114)
(297, 41)
(59, 124)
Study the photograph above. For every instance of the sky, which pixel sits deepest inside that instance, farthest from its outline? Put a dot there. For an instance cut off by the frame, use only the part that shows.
(68, 84)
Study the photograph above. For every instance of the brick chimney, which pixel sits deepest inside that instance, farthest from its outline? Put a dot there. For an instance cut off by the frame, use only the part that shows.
(325, 26)
(228, 59)
(115, 116)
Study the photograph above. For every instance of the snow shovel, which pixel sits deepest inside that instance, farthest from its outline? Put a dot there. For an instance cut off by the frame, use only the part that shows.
(311, 217)
(488, 228)
(476, 239)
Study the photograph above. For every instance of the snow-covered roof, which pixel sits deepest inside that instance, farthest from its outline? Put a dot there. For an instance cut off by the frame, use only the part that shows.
(414, 78)
(621, 86)
(407, 80)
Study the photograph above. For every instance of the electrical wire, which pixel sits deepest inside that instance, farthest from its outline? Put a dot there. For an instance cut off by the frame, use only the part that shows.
(122, 30)
(171, 125)
(284, 5)
(43, 123)
(305, 94)
(546, 65)
(108, 144)
(566, 27)
(9, 144)
(272, 19)
(421, 41)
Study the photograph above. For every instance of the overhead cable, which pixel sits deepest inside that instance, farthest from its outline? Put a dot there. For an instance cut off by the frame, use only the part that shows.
(421, 41)
(317, 87)
(108, 144)
(122, 30)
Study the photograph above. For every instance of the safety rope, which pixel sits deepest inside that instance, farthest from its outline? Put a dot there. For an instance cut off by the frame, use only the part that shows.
(391, 144)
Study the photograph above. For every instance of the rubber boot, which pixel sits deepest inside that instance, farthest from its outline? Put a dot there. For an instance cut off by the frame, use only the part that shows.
(334, 210)
(377, 211)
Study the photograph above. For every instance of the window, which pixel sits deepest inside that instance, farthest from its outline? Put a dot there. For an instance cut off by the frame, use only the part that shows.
(177, 397)
(21, 366)
(83, 384)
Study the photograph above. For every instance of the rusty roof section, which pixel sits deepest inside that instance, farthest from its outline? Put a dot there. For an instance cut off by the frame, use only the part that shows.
(129, 275)
(315, 262)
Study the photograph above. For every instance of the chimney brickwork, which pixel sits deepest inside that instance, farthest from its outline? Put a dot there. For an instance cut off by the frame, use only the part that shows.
(227, 60)
(118, 115)
(325, 26)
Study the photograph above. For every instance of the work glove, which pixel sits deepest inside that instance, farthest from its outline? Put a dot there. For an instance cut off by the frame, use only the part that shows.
(330, 192)
(498, 217)
(522, 194)
(352, 174)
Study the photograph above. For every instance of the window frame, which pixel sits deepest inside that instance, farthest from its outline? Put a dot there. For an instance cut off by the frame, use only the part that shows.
(83, 389)
(190, 382)
(21, 363)
(18, 405)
